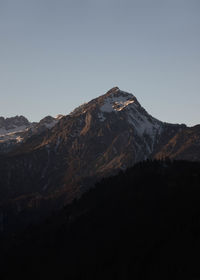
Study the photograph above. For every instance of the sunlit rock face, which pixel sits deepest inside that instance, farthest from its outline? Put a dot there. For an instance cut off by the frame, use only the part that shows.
(58, 159)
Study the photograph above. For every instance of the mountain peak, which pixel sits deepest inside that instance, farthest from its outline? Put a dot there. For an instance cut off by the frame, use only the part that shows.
(13, 123)
(112, 90)
(115, 91)
(112, 101)
(117, 100)
(109, 133)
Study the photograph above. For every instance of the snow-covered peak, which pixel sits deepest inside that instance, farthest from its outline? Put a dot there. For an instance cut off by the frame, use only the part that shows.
(9, 126)
(117, 101)
(120, 102)
(13, 122)
(17, 129)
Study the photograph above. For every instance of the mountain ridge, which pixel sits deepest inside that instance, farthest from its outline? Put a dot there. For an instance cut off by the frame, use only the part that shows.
(16, 130)
(110, 133)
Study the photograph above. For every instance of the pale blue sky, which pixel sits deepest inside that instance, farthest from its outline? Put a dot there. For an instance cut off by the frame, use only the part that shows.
(57, 54)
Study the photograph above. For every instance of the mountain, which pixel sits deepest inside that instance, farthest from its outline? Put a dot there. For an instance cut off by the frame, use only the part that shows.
(53, 166)
(15, 130)
(185, 144)
(11, 130)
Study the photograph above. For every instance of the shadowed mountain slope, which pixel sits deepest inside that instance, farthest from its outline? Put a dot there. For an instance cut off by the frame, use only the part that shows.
(143, 223)
(99, 138)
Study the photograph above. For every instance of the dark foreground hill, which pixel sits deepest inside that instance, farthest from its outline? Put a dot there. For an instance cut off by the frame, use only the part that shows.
(141, 224)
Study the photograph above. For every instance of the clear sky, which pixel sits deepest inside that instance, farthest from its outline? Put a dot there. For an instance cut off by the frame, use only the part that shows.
(57, 54)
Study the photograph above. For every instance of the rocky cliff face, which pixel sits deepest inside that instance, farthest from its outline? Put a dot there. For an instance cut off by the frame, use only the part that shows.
(55, 165)
(185, 144)
(16, 130)
(13, 124)
(11, 130)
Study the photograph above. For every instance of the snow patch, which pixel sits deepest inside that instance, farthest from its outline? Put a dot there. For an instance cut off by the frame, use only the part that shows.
(50, 124)
(4, 132)
(145, 126)
(116, 103)
(19, 139)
